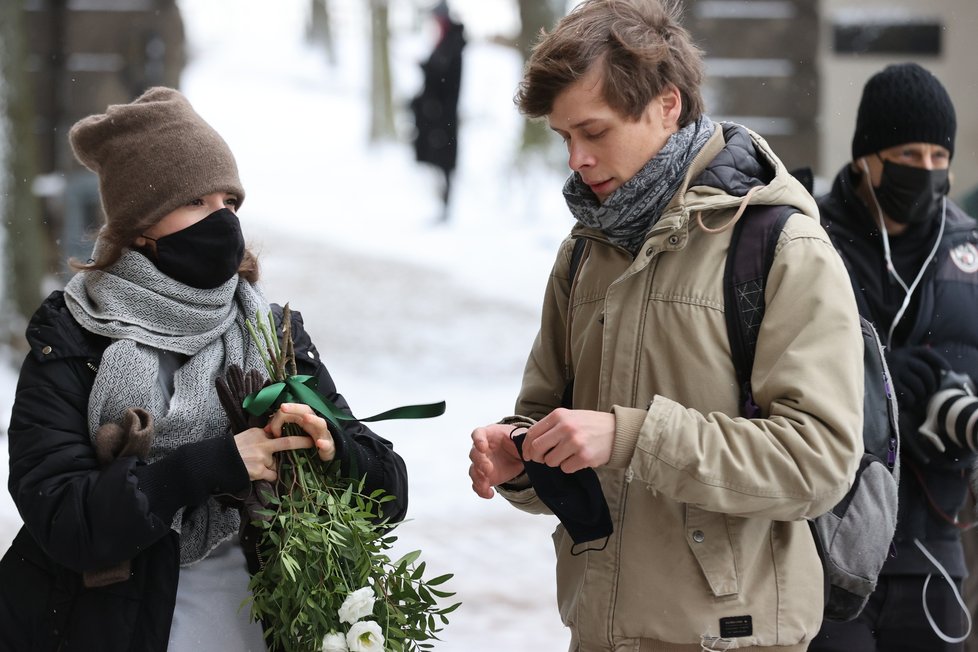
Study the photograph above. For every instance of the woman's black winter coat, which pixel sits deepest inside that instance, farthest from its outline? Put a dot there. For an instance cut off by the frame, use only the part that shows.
(78, 516)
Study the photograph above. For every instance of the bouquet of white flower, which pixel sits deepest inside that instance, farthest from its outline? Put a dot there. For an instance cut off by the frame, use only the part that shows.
(326, 581)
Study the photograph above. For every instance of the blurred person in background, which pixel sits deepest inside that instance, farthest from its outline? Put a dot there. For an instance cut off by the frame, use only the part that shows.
(435, 108)
(913, 257)
(682, 524)
(126, 470)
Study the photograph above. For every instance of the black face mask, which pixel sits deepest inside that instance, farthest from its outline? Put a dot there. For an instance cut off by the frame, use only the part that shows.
(575, 498)
(203, 255)
(911, 195)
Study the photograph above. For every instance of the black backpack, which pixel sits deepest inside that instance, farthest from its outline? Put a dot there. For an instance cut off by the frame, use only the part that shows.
(853, 538)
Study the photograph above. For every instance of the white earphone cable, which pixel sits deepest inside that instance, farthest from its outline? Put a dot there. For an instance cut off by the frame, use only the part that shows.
(909, 290)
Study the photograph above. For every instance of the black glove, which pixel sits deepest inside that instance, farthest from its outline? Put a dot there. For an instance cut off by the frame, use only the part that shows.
(916, 373)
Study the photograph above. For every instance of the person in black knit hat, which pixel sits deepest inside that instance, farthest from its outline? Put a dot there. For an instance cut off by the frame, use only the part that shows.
(912, 255)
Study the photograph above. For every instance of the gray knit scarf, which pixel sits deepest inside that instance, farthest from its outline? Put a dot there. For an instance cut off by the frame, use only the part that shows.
(146, 313)
(630, 212)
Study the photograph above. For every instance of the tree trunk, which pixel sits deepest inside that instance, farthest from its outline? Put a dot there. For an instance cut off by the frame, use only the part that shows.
(382, 103)
(320, 32)
(20, 213)
(534, 16)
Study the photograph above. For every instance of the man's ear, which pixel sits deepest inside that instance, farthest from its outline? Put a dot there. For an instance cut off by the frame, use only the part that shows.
(671, 103)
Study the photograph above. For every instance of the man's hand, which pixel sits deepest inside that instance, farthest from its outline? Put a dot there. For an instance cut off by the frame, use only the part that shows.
(494, 458)
(571, 439)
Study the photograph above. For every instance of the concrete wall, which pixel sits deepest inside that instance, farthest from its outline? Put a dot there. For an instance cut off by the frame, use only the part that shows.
(761, 69)
(87, 54)
(841, 77)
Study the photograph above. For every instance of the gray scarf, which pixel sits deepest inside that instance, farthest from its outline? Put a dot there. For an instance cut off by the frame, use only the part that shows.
(147, 313)
(631, 210)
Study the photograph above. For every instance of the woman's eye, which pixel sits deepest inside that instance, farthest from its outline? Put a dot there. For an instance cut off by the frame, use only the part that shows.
(597, 135)
(232, 201)
(195, 202)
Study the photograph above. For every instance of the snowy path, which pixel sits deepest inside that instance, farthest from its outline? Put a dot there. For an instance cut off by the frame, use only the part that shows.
(397, 334)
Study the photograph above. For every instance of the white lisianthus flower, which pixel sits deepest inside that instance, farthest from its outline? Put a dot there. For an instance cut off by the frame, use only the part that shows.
(365, 636)
(334, 642)
(357, 605)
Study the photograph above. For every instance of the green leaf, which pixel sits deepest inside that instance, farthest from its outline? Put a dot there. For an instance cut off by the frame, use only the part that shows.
(441, 579)
(418, 572)
(408, 559)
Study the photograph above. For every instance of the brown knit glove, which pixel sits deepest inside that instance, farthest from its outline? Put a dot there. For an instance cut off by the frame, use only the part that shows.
(133, 436)
(232, 389)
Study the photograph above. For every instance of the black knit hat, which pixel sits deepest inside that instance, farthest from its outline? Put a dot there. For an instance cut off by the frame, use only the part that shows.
(903, 103)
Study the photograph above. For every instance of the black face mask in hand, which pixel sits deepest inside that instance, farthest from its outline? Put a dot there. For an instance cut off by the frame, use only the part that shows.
(574, 498)
(204, 255)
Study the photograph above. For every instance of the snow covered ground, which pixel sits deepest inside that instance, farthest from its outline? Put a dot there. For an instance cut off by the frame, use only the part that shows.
(403, 310)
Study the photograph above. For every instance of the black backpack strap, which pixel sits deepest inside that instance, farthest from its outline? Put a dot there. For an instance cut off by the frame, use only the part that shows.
(862, 303)
(577, 254)
(755, 237)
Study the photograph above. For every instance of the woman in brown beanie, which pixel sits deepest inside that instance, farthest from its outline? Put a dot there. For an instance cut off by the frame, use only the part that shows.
(123, 464)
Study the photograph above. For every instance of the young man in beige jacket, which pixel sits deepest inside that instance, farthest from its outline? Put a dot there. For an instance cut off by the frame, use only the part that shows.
(629, 397)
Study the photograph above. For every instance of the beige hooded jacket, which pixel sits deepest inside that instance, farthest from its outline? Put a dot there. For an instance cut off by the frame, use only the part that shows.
(709, 508)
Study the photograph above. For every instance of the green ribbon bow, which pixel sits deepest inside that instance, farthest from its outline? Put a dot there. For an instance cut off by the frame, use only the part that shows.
(302, 389)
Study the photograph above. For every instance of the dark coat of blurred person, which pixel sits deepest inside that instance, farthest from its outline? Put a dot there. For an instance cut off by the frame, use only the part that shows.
(435, 108)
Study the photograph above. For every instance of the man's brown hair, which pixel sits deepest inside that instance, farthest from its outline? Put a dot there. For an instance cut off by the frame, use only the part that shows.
(640, 45)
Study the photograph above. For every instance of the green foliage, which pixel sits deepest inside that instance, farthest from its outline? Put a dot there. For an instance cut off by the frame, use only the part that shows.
(322, 538)
(323, 542)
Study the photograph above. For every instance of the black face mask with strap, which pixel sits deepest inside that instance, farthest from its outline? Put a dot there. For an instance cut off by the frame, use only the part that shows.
(911, 195)
(204, 255)
(574, 498)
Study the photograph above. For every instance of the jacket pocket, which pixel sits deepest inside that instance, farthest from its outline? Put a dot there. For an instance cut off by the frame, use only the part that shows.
(570, 576)
(709, 540)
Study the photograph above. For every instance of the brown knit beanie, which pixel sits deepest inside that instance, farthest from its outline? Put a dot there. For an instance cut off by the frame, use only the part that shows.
(152, 156)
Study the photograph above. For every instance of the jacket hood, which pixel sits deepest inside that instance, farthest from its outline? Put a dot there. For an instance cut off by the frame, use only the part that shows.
(734, 161)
